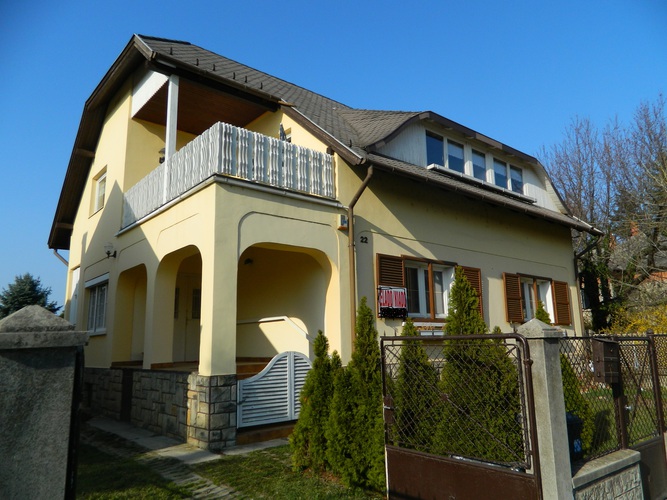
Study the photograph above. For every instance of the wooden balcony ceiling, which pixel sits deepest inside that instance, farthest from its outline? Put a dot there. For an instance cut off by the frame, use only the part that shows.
(199, 107)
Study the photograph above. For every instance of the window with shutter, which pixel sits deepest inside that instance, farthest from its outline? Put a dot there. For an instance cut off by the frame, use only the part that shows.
(427, 283)
(474, 276)
(513, 308)
(562, 303)
(390, 270)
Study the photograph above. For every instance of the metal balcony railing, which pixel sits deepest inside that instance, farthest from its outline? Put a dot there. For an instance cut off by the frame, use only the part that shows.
(235, 152)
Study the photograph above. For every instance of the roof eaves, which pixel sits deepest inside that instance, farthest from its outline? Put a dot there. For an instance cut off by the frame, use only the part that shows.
(345, 152)
(424, 175)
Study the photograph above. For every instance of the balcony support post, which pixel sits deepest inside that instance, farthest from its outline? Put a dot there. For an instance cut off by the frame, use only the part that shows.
(171, 129)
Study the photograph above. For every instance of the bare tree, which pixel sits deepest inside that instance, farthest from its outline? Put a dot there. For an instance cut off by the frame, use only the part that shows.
(617, 180)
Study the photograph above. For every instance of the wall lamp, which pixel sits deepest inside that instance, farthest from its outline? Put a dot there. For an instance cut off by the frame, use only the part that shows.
(108, 248)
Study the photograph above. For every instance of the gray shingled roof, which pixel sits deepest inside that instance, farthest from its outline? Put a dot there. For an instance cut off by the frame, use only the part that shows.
(319, 109)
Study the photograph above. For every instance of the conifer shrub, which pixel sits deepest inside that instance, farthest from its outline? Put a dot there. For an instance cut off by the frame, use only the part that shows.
(481, 414)
(576, 403)
(308, 441)
(415, 393)
(542, 314)
(355, 433)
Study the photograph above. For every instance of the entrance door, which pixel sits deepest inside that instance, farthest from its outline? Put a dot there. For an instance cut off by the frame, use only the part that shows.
(187, 317)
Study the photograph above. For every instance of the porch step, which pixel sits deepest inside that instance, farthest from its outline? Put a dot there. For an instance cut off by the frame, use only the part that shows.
(263, 433)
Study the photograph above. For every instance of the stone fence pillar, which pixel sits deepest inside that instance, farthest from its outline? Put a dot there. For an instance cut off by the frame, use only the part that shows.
(38, 364)
(543, 342)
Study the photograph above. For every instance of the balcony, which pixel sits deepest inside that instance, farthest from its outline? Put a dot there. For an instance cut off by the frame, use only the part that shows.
(233, 152)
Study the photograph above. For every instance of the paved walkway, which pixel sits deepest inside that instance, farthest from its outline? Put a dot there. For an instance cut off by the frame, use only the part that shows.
(168, 457)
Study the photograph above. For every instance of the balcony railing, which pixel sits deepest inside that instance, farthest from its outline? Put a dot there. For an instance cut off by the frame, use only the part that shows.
(235, 152)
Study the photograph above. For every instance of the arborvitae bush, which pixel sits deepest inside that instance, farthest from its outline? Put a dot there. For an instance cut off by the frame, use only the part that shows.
(576, 403)
(355, 432)
(415, 393)
(308, 441)
(542, 314)
(481, 415)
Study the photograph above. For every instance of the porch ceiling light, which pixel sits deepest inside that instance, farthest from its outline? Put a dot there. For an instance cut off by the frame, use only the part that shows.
(108, 248)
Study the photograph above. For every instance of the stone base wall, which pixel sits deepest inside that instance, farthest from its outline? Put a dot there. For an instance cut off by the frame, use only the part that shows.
(194, 408)
(102, 390)
(615, 476)
(159, 402)
(212, 411)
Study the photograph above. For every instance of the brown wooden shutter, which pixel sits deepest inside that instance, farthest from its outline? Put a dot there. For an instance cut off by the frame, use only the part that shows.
(513, 309)
(474, 276)
(390, 270)
(561, 293)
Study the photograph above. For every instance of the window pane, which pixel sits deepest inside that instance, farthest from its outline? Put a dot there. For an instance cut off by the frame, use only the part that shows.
(438, 293)
(455, 156)
(500, 173)
(424, 286)
(100, 312)
(434, 149)
(412, 285)
(516, 179)
(528, 299)
(91, 308)
(479, 165)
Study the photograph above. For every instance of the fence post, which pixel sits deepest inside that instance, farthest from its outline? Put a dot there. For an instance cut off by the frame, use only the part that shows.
(554, 452)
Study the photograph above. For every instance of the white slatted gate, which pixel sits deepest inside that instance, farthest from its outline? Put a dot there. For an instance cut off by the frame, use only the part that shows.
(272, 395)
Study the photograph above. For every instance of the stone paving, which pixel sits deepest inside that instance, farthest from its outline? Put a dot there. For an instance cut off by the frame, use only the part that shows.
(159, 459)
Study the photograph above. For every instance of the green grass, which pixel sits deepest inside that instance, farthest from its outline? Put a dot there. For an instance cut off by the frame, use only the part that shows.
(103, 476)
(261, 474)
(269, 474)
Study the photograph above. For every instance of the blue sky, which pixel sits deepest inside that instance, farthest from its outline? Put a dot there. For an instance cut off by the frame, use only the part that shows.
(516, 71)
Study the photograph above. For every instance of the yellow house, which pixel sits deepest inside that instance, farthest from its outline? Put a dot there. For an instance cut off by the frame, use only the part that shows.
(217, 217)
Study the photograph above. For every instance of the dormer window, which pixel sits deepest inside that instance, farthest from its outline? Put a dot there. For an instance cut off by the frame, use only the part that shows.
(462, 158)
(516, 179)
(479, 165)
(435, 147)
(500, 173)
(455, 160)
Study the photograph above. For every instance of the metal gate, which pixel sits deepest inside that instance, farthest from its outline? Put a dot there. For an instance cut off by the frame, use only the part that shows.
(459, 417)
(619, 378)
(272, 395)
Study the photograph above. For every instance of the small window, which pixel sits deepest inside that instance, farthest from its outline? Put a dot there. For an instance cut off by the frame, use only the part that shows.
(500, 173)
(99, 190)
(516, 179)
(97, 307)
(455, 156)
(479, 165)
(434, 149)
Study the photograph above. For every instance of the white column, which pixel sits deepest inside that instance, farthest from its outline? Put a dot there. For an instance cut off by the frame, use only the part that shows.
(171, 129)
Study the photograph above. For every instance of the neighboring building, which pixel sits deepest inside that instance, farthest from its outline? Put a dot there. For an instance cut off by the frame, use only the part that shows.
(208, 210)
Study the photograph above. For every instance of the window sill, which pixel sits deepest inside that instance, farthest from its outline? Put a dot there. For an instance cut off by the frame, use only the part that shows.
(98, 333)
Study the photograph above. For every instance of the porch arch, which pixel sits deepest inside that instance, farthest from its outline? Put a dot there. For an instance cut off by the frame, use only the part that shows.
(130, 315)
(281, 299)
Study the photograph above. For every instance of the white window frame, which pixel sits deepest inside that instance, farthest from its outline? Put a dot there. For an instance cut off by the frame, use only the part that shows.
(99, 190)
(529, 287)
(97, 294)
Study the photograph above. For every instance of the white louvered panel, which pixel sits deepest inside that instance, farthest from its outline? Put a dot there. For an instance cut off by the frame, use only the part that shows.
(258, 158)
(273, 164)
(316, 173)
(289, 170)
(273, 395)
(301, 168)
(244, 153)
(328, 176)
(228, 149)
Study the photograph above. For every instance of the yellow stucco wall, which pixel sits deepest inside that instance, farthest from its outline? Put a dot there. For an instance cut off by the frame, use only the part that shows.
(298, 258)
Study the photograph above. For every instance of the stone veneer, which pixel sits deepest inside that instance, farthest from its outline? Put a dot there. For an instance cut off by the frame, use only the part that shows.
(615, 476)
(212, 411)
(194, 408)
